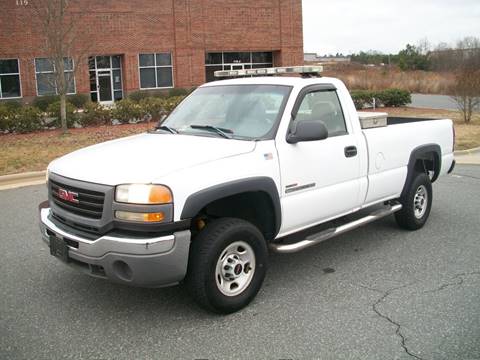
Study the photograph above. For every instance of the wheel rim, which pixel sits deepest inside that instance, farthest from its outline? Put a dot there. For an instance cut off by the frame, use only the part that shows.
(420, 202)
(235, 268)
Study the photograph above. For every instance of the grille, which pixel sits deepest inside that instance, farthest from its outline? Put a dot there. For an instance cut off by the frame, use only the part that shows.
(90, 203)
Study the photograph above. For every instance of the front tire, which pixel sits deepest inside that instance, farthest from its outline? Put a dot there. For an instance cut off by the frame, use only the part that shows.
(227, 265)
(417, 203)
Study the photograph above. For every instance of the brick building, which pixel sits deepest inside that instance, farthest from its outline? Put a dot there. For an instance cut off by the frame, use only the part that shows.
(150, 44)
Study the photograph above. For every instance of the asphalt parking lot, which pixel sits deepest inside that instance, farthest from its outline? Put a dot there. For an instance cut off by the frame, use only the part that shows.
(376, 293)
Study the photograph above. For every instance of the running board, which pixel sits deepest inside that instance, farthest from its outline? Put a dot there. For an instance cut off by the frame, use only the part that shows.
(332, 232)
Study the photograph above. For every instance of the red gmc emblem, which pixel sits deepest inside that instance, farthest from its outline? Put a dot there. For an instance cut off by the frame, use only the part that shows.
(69, 196)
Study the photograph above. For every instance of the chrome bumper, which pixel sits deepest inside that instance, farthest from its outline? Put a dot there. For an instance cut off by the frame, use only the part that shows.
(149, 262)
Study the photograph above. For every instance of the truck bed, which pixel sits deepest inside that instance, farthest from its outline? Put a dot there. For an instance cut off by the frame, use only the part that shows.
(396, 120)
(390, 147)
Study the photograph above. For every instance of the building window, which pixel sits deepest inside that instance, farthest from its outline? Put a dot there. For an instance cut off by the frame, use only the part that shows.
(156, 71)
(9, 79)
(216, 61)
(45, 75)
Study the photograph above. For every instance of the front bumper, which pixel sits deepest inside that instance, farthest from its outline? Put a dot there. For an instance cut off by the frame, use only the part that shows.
(145, 262)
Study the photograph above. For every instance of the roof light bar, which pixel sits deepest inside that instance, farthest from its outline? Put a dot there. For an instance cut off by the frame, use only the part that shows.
(302, 70)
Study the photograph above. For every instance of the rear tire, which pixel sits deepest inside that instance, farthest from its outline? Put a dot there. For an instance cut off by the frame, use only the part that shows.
(417, 203)
(227, 265)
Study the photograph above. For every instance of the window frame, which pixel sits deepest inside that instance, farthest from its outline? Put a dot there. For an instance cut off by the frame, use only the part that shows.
(155, 67)
(52, 72)
(314, 89)
(10, 74)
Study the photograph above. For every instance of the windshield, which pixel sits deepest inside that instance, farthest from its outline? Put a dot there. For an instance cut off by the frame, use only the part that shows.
(239, 111)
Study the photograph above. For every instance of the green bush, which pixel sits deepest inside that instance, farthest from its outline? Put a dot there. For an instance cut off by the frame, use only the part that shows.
(394, 97)
(137, 96)
(153, 107)
(24, 119)
(78, 100)
(53, 111)
(388, 98)
(171, 103)
(13, 105)
(95, 114)
(128, 110)
(362, 98)
(178, 92)
(6, 117)
(28, 119)
(43, 102)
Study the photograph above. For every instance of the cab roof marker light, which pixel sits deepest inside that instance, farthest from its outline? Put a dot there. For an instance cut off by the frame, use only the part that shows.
(305, 71)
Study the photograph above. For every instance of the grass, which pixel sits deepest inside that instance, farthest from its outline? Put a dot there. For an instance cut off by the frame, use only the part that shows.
(357, 77)
(467, 135)
(31, 152)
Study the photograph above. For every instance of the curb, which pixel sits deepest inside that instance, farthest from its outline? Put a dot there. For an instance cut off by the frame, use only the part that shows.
(467, 152)
(24, 179)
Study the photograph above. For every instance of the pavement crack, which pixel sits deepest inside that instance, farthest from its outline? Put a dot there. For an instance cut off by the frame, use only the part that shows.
(457, 280)
(398, 331)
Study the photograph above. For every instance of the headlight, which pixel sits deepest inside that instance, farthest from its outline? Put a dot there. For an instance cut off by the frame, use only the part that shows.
(143, 194)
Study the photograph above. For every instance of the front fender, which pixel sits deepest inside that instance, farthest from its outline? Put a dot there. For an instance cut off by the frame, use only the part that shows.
(197, 201)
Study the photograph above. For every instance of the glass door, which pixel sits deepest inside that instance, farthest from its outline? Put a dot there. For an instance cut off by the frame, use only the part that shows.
(105, 79)
(105, 95)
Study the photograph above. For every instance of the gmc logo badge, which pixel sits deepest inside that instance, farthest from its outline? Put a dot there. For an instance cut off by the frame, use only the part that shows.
(69, 196)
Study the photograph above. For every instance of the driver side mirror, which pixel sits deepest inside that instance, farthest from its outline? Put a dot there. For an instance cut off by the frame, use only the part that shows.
(307, 130)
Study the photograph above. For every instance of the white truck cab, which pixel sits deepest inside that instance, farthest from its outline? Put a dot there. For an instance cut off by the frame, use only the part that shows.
(242, 166)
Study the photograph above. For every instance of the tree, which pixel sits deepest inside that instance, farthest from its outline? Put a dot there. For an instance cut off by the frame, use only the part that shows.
(467, 91)
(60, 24)
(411, 58)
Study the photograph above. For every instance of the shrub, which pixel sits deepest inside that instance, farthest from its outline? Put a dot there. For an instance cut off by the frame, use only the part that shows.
(178, 92)
(394, 97)
(95, 114)
(25, 119)
(78, 100)
(12, 105)
(153, 107)
(5, 118)
(137, 96)
(43, 102)
(388, 98)
(128, 110)
(28, 119)
(53, 110)
(362, 98)
(171, 103)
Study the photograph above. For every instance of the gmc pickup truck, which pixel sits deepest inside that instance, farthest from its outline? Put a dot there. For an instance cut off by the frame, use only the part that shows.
(241, 167)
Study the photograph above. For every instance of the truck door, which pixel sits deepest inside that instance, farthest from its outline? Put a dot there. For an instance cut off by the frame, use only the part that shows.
(320, 179)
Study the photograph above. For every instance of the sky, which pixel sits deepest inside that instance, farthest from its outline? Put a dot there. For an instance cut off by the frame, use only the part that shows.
(348, 26)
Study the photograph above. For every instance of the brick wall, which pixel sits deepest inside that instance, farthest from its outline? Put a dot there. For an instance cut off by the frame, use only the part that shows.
(187, 28)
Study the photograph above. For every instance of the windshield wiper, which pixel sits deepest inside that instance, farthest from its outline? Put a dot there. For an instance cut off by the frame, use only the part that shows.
(167, 128)
(226, 133)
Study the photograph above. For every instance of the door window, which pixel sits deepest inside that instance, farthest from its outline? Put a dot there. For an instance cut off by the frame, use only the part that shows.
(323, 106)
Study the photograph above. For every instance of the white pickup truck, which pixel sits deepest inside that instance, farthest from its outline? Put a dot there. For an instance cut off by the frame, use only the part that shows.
(242, 166)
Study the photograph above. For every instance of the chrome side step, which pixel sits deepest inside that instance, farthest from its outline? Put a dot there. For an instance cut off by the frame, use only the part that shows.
(332, 232)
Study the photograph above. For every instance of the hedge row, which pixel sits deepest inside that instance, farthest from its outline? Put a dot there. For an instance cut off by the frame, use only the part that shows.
(19, 118)
(388, 98)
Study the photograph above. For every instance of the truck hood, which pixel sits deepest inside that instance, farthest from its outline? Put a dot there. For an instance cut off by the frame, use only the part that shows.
(144, 158)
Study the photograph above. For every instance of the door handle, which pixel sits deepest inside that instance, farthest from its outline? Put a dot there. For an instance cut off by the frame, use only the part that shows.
(350, 151)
